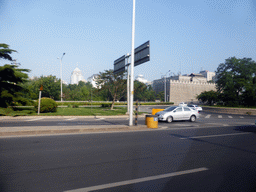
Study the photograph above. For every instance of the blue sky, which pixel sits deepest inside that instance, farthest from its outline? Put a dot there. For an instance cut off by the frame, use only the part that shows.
(185, 36)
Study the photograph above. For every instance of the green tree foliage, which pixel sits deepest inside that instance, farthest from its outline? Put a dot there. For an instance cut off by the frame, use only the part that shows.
(11, 79)
(5, 52)
(51, 87)
(80, 92)
(160, 96)
(209, 97)
(11, 90)
(142, 92)
(47, 105)
(115, 84)
(236, 81)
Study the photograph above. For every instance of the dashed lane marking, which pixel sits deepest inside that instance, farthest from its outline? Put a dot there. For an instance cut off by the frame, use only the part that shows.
(241, 117)
(34, 119)
(208, 116)
(144, 179)
(222, 135)
(230, 117)
(99, 119)
(71, 119)
(220, 116)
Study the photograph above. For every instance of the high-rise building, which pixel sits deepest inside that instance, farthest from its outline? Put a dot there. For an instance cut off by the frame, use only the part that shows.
(76, 76)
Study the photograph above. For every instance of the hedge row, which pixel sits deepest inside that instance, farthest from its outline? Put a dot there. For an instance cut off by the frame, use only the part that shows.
(109, 103)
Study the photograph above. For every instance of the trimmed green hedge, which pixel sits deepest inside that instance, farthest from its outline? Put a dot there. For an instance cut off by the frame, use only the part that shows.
(109, 103)
(47, 105)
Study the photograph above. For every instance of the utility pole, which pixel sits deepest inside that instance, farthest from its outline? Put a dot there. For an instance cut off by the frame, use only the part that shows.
(132, 67)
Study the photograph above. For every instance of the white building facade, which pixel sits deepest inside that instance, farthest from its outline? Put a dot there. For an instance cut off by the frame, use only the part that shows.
(92, 80)
(76, 76)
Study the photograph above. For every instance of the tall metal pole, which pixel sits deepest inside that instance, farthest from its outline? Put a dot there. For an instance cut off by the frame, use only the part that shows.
(165, 88)
(61, 77)
(128, 82)
(132, 67)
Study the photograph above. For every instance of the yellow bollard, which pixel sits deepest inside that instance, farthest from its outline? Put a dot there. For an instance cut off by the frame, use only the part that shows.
(154, 111)
(152, 121)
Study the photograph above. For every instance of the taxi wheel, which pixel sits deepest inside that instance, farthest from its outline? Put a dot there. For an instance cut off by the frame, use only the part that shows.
(169, 119)
(193, 118)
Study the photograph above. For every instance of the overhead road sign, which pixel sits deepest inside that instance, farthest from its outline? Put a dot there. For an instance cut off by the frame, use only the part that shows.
(119, 65)
(142, 54)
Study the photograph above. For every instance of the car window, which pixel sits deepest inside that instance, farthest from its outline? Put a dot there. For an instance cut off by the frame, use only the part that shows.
(170, 109)
(186, 109)
(190, 106)
(179, 109)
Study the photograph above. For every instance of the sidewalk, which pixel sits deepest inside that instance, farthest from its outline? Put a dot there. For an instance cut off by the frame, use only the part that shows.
(54, 130)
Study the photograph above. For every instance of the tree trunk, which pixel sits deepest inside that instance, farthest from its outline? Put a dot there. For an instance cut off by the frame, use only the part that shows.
(113, 102)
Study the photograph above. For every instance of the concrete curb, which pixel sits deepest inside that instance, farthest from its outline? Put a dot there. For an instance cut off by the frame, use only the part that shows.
(59, 117)
(43, 130)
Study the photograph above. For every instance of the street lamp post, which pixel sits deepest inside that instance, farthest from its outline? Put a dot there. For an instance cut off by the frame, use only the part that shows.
(61, 77)
(132, 68)
(165, 86)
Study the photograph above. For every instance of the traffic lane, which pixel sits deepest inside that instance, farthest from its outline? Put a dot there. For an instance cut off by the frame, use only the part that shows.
(64, 122)
(81, 161)
(124, 121)
(223, 174)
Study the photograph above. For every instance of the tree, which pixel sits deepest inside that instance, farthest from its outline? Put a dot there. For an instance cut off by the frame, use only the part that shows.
(11, 79)
(142, 92)
(51, 87)
(11, 89)
(209, 97)
(160, 96)
(5, 52)
(114, 83)
(235, 81)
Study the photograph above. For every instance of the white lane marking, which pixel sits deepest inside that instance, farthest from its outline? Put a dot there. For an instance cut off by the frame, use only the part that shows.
(220, 116)
(222, 135)
(62, 123)
(230, 117)
(241, 117)
(208, 116)
(128, 182)
(99, 119)
(34, 119)
(71, 119)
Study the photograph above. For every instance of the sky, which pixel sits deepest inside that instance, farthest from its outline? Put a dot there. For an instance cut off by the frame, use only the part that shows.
(185, 36)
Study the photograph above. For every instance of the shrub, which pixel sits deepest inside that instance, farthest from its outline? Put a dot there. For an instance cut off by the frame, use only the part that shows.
(47, 105)
(105, 105)
(75, 106)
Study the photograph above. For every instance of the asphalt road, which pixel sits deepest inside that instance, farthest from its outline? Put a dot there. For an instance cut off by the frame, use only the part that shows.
(205, 120)
(191, 159)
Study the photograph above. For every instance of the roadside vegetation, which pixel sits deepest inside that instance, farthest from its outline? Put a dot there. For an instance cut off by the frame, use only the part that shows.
(64, 111)
(235, 84)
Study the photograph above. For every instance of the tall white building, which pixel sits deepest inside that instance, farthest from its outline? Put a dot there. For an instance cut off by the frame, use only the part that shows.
(76, 76)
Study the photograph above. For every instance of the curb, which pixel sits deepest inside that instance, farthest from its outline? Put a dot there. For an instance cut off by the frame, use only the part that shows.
(27, 131)
(59, 117)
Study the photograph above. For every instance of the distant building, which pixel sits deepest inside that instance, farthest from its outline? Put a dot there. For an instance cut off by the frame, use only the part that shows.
(141, 79)
(92, 80)
(76, 76)
(210, 76)
(180, 88)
